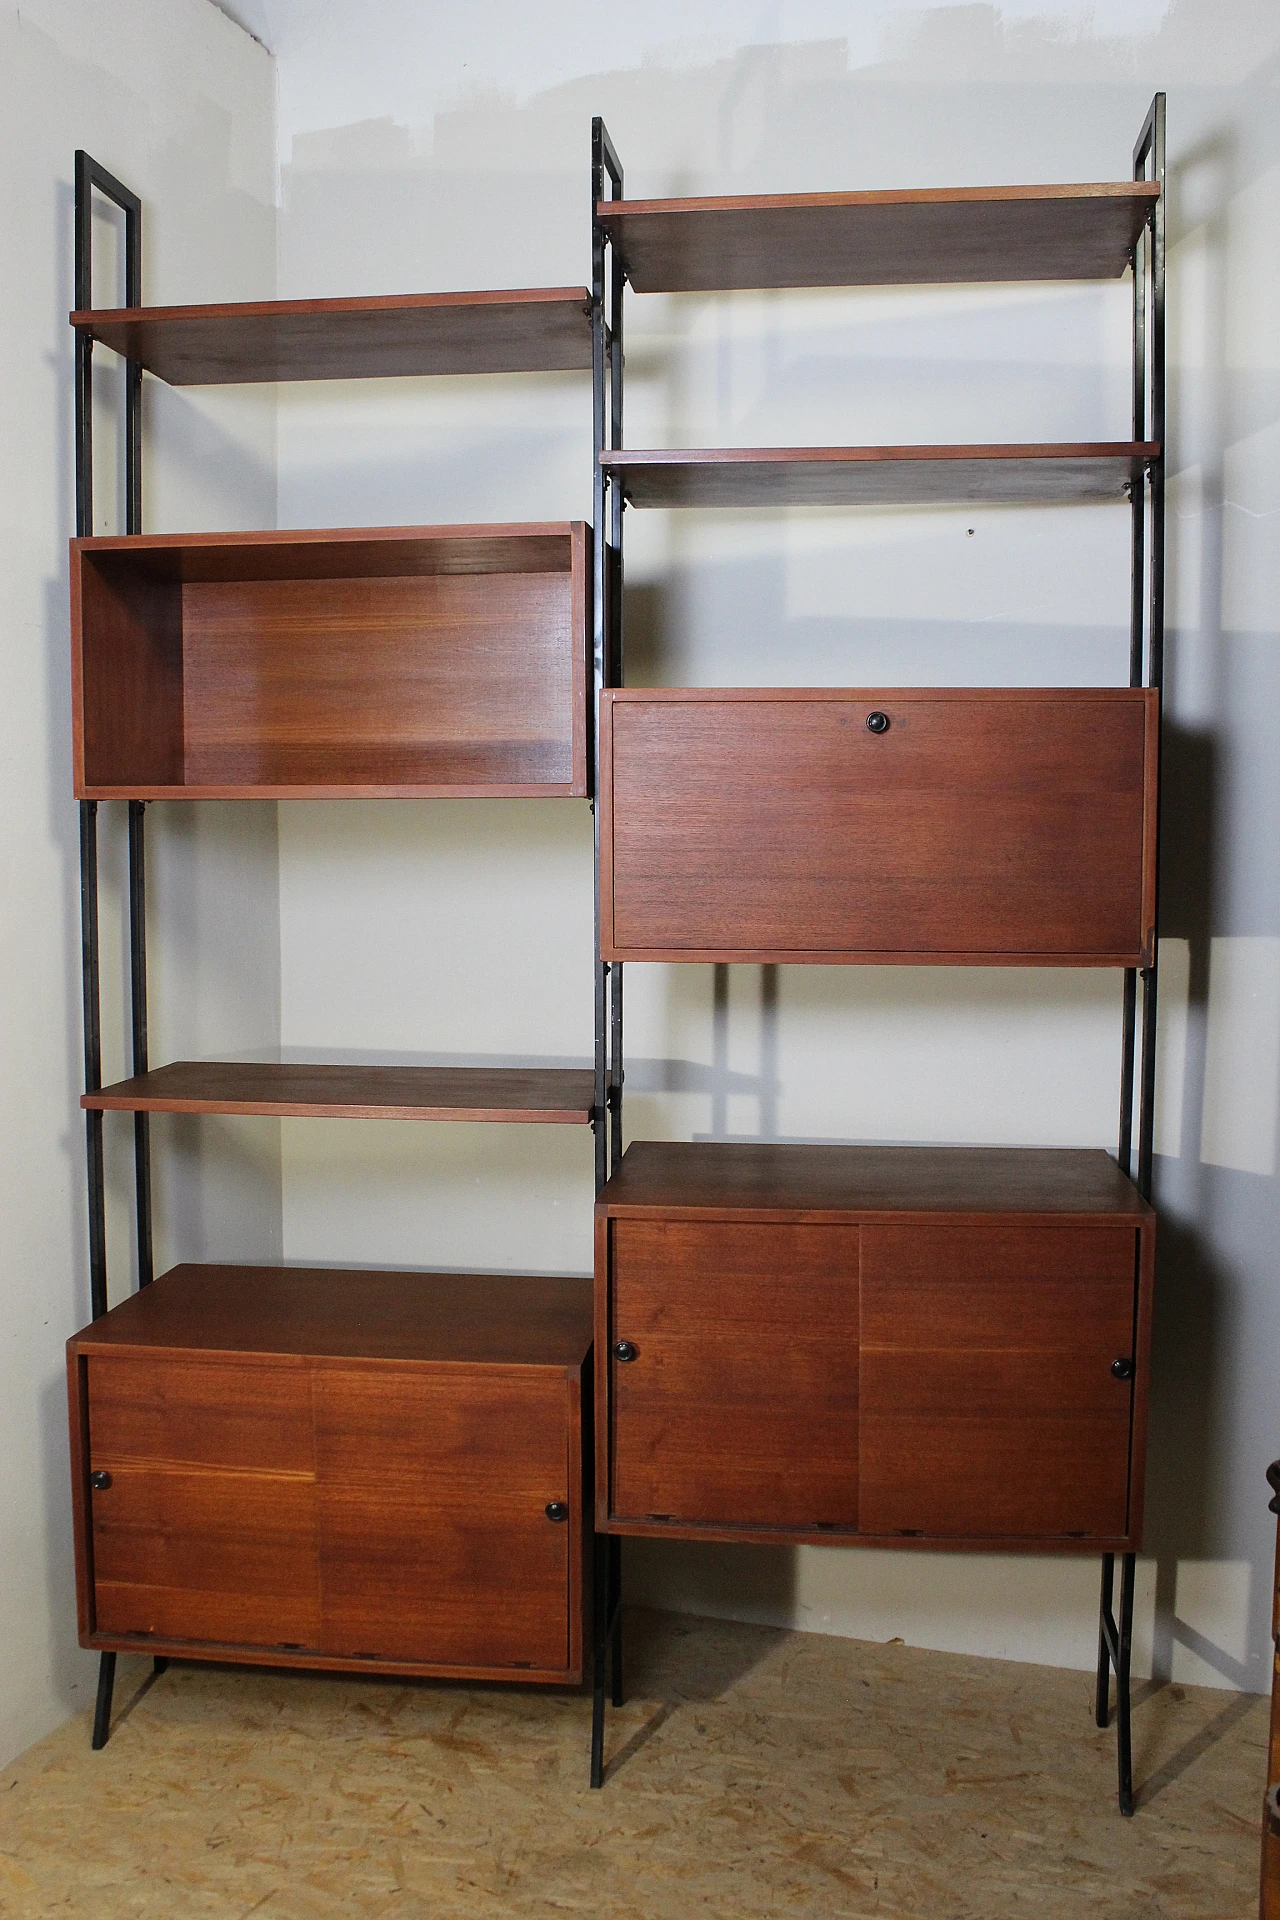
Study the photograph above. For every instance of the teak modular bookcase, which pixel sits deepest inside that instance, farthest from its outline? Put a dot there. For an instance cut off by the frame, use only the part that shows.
(893, 1346)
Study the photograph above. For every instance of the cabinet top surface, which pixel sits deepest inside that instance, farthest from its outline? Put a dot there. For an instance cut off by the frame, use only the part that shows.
(847, 1183)
(912, 237)
(480, 1318)
(528, 330)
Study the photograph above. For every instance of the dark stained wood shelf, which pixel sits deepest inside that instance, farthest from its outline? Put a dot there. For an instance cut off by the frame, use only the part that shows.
(843, 1185)
(477, 1318)
(533, 330)
(913, 238)
(1017, 475)
(541, 1095)
(373, 662)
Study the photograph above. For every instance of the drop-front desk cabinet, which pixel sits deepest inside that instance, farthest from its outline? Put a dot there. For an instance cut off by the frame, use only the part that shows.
(337, 1469)
(880, 1345)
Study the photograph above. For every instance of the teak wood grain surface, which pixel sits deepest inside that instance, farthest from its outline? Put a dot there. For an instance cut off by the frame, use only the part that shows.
(310, 1467)
(921, 1341)
(988, 1400)
(1026, 475)
(981, 826)
(907, 238)
(530, 330)
(844, 1185)
(339, 663)
(742, 1397)
(541, 1095)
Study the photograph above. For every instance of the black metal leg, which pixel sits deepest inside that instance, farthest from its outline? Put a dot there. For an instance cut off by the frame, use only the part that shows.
(601, 1642)
(1115, 1646)
(102, 1713)
(614, 1628)
(159, 1665)
(1124, 1752)
(1102, 1704)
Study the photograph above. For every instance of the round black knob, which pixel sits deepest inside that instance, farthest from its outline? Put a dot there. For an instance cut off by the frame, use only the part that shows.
(557, 1510)
(877, 722)
(99, 1481)
(1123, 1369)
(623, 1350)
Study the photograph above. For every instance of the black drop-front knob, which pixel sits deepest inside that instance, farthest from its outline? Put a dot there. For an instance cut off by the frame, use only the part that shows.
(1123, 1369)
(557, 1510)
(99, 1481)
(623, 1350)
(877, 722)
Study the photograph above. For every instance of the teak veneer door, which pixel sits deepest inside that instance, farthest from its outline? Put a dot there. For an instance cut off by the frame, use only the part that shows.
(740, 1405)
(989, 1403)
(434, 1483)
(204, 1511)
(960, 825)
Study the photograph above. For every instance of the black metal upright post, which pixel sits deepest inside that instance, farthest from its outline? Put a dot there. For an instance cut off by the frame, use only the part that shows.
(607, 370)
(1146, 661)
(1150, 153)
(91, 178)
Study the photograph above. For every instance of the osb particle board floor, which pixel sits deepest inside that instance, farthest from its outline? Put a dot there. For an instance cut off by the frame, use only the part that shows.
(751, 1772)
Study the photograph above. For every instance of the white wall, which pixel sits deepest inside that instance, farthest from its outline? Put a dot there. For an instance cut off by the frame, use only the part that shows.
(178, 102)
(430, 148)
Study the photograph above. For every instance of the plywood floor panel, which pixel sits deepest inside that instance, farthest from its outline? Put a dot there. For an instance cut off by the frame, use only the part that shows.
(753, 1772)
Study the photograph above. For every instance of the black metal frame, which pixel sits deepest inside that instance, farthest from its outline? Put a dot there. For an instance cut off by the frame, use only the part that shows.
(1146, 663)
(1146, 658)
(91, 178)
(607, 507)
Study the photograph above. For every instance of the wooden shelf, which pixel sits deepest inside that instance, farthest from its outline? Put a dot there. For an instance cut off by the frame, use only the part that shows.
(1018, 475)
(381, 662)
(541, 1095)
(916, 238)
(841, 1186)
(534, 330)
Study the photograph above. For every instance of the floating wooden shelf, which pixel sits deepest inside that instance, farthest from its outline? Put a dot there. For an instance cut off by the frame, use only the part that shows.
(1018, 475)
(910, 238)
(541, 1095)
(401, 661)
(989, 826)
(534, 330)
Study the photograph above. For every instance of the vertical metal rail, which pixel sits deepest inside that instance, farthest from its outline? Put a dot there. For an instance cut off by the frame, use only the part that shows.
(606, 361)
(90, 177)
(1269, 1891)
(1150, 152)
(1146, 658)
(138, 1008)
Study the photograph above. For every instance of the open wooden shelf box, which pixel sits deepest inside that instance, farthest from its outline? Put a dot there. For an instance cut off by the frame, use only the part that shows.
(396, 662)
